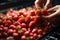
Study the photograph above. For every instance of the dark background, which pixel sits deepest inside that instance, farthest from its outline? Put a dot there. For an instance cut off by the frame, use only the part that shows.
(55, 1)
(6, 4)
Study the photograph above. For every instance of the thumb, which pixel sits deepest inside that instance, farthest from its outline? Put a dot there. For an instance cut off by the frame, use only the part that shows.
(46, 17)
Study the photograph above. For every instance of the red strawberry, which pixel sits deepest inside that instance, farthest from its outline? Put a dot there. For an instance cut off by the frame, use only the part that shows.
(44, 12)
(23, 25)
(31, 24)
(37, 12)
(32, 13)
(26, 33)
(27, 19)
(21, 20)
(23, 37)
(40, 31)
(34, 30)
(35, 35)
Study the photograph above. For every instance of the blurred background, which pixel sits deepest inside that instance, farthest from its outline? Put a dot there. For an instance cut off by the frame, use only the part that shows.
(11, 3)
(55, 1)
(4, 4)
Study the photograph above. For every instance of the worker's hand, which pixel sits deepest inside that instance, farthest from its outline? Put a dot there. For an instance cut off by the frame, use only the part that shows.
(56, 10)
(42, 4)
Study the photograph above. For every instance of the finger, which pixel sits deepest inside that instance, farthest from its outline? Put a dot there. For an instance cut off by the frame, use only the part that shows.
(56, 13)
(54, 8)
(48, 4)
(39, 3)
(53, 14)
(46, 17)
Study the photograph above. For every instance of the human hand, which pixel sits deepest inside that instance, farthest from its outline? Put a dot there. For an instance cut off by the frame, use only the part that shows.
(54, 17)
(43, 4)
(56, 10)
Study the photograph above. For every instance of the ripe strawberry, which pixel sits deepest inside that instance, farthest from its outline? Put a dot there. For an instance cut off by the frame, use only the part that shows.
(32, 13)
(7, 22)
(1, 26)
(25, 14)
(29, 29)
(14, 30)
(31, 24)
(1, 29)
(37, 12)
(17, 23)
(21, 20)
(12, 26)
(5, 28)
(23, 25)
(39, 35)
(24, 29)
(31, 38)
(8, 13)
(35, 35)
(15, 34)
(34, 30)
(27, 19)
(10, 30)
(44, 12)
(36, 19)
(26, 33)
(15, 17)
(40, 31)
(31, 34)
(10, 38)
(23, 37)
(20, 13)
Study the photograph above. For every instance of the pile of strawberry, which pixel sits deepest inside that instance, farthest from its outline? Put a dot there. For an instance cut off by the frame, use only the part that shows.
(25, 24)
